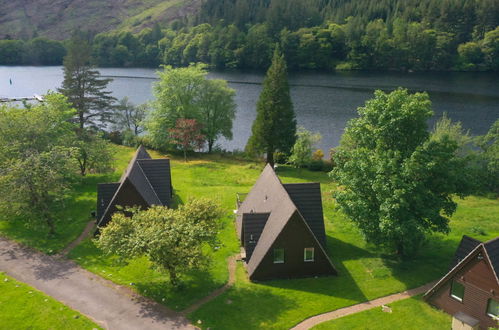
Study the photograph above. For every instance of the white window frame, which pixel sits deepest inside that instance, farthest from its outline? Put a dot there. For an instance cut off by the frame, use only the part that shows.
(454, 296)
(283, 256)
(305, 254)
(495, 317)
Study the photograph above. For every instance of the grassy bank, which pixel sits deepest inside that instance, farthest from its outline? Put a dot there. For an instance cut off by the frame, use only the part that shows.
(23, 307)
(412, 313)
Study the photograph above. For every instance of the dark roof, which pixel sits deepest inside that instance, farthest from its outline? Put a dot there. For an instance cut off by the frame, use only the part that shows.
(268, 195)
(151, 179)
(492, 248)
(489, 248)
(466, 245)
(105, 191)
(159, 175)
(307, 198)
(253, 224)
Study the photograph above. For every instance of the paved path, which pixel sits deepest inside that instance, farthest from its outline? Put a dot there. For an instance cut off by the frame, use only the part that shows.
(231, 265)
(314, 320)
(88, 229)
(110, 305)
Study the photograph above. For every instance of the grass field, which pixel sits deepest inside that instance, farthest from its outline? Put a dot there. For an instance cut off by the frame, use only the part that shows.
(22, 307)
(365, 272)
(407, 314)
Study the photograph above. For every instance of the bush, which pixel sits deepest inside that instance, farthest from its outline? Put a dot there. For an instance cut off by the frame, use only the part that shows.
(115, 137)
(318, 155)
(316, 165)
(280, 157)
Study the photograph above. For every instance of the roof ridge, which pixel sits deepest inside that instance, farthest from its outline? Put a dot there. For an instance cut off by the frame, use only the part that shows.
(491, 240)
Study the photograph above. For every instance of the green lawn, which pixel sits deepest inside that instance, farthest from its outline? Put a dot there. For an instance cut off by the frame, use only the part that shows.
(365, 272)
(23, 307)
(412, 313)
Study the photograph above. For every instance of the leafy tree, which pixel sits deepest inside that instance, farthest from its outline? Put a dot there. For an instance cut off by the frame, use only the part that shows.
(44, 51)
(93, 153)
(37, 163)
(187, 135)
(397, 182)
(35, 185)
(274, 128)
(491, 48)
(11, 52)
(129, 117)
(187, 93)
(218, 111)
(173, 240)
(83, 86)
(470, 55)
(301, 153)
(489, 145)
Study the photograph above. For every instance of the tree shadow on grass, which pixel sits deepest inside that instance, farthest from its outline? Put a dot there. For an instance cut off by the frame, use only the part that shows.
(255, 307)
(343, 285)
(194, 286)
(430, 263)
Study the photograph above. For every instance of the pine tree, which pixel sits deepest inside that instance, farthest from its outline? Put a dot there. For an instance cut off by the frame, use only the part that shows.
(274, 128)
(83, 86)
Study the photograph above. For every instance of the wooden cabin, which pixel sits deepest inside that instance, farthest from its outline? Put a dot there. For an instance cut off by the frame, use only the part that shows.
(470, 290)
(144, 183)
(281, 229)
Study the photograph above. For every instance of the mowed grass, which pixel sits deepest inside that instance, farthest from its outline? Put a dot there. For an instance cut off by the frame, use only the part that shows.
(365, 272)
(23, 307)
(412, 313)
(71, 220)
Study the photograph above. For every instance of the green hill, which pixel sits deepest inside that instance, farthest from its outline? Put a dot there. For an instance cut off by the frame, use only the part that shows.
(57, 18)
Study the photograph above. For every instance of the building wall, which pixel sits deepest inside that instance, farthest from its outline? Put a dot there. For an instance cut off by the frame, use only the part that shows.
(294, 238)
(479, 286)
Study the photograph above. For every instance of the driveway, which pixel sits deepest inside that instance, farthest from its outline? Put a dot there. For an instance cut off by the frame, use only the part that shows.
(109, 305)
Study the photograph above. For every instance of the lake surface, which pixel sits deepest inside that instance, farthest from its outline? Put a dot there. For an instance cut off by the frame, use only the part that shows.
(323, 102)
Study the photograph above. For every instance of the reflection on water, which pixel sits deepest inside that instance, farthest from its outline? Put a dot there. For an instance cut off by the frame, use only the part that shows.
(323, 102)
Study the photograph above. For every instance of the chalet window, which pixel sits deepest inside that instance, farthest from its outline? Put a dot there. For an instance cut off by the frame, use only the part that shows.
(279, 256)
(457, 291)
(308, 254)
(493, 309)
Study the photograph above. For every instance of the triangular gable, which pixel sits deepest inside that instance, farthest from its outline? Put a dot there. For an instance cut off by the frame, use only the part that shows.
(473, 254)
(268, 195)
(139, 179)
(295, 229)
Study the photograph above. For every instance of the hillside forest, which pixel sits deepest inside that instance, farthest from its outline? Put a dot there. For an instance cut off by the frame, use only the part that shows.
(406, 35)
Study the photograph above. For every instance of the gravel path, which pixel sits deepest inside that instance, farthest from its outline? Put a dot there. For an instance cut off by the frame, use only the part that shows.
(110, 305)
(314, 320)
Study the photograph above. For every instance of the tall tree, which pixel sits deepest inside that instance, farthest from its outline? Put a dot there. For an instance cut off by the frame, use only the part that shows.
(129, 117)
(397, 182)
(83, 86)
(187, 93)
(274, 128)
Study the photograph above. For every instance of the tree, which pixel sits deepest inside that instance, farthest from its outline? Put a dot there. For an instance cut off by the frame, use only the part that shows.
(275, 125)
(397, 183)
(187, 135)
(489, 146)
(129, 117)
(301, 153)
(187, 93)
(218, 111)
(93, 153)
(37, 163)
(83, 86)
(491, 48)
(34, 186)
(173, 240)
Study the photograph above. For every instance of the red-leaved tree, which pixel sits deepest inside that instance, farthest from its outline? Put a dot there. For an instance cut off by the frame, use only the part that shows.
(187, 135)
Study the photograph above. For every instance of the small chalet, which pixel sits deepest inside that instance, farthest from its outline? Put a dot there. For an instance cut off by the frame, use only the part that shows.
(470, 290)
(281, 228)
(146, 182)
